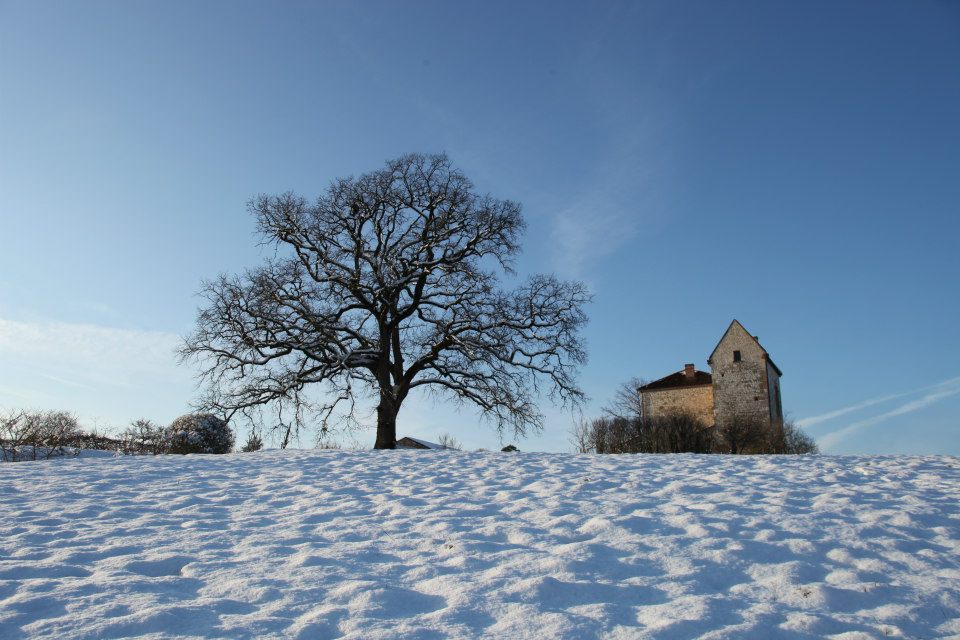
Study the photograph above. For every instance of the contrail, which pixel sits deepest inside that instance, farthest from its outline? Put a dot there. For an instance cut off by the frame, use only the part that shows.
(823, 417)
(943, 390)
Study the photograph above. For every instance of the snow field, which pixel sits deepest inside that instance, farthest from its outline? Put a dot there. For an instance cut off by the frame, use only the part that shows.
(438, 544)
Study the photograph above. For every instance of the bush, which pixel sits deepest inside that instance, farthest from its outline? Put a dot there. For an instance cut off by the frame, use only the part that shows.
(447, 441)
(795, 441)
(754, 436)
(746, 436)
(606, 435)
(38, 435)
(143, 437)
(254, 443)
(199, 433)
(674, 433)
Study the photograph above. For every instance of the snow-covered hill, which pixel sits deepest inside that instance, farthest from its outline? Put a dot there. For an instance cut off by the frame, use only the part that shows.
(425, 544)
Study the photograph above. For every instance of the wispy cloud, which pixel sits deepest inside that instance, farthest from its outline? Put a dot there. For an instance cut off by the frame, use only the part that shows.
(935, 393)
(584, 234)
(609, 209)
(103, 354)
(69, 383)
(97, 371)
(830, 415)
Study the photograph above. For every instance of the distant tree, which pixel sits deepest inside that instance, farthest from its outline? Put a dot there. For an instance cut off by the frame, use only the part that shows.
(676, 432)
(144, 437)
(672, 433)
(746, 436)
(795, 441)
(447, 441)
(581, 436)
(605, 435)
(510, 448)
(39, 435)
(387, 283)
(626, 400)
(199, 433)
(15, 433)
(621, 435)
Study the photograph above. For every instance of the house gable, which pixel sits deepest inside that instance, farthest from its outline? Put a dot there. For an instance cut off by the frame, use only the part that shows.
(737, 338)
(746, 382)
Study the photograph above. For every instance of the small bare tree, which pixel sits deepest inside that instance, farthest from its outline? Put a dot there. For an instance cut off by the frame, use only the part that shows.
(605, 435)
(388, 283)
(581, 436)
(447, 441)
(15, 433)
(796, 441)
(144, 437)
(39, 435)
(626, 400)
(676, 432)
(745, 436)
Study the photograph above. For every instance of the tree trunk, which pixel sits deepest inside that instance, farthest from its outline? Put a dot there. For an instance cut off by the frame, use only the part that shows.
(386, 423)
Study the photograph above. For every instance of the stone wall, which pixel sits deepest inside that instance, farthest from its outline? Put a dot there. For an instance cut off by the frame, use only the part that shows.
(740, 388)
(773, 388)
(695, 400)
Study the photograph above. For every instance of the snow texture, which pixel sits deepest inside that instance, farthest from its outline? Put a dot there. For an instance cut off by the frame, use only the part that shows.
(392, 544)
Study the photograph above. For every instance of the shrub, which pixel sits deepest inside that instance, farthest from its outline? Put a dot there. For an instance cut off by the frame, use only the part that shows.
(254, 443)
(199, 433)
(143, 437)
(795, 441)
(674, 433)
(606, 435)
(447, 441)
(746, 436)
(38, 435)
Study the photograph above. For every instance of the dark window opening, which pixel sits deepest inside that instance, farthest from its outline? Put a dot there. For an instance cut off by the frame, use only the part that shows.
(736, 356)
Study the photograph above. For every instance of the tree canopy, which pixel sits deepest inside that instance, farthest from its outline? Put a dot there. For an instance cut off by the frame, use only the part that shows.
(389, 282)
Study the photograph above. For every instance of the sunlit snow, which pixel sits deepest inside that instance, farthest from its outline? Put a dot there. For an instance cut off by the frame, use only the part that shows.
(434, 544)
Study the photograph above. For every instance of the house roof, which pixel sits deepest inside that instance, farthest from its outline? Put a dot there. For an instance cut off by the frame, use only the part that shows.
(424, 443)
(679, 379)
(736, 323)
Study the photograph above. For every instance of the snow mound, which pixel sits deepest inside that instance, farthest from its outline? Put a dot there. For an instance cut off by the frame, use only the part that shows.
(330, 544)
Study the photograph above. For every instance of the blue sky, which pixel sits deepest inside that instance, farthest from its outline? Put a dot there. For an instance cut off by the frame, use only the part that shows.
(792, 165)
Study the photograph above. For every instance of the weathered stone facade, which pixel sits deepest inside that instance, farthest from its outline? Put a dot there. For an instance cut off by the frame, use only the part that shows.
(744, 385)
(692, 400)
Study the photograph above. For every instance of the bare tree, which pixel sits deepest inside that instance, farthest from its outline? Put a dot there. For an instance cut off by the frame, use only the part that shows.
(39, 435)
(605, 435)
(143, 437)
(626, 400)
(447, 441)
(387, 283)
(581, 436)
(675, 432)
(796, 441)
(15, 434)
(746, 436)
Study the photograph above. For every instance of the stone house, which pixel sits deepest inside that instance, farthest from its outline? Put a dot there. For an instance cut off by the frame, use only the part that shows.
(744, 384)
(417, 443)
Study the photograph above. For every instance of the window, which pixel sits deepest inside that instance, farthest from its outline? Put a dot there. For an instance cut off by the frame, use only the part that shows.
(736, 356)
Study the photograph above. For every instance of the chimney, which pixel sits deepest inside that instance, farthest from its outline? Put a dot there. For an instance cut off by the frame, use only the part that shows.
(689, 373)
